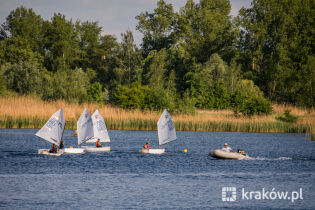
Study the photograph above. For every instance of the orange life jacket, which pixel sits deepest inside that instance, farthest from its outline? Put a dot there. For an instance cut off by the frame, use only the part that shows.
(97, 144)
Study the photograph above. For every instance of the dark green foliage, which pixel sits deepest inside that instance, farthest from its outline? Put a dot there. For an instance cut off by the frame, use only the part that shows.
(68, 84)
(62, 44)
(277, 41)
(238, 101)
(158, 99)
(24, 77)
(186, 104)
(249, 101)
(221, 98)
(130, 98)
(94, 92)
(3, 87)
(196, 57)
(17, 49)
(143, 97)
(256, 106)
(287, 117)
(25, 24)
(157, 27)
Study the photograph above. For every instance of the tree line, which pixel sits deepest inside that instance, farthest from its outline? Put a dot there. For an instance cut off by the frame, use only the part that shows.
(198, 57)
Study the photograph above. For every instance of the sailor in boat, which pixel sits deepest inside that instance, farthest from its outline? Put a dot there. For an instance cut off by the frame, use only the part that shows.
(97, 143)
(61, 146)
(147, 146)
(53, 149)
(226, 148)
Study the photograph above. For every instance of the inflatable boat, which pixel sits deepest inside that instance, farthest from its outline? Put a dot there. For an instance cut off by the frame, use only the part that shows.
(220, 154)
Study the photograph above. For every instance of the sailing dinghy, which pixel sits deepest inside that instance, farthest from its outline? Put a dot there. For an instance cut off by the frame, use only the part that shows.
(98, 131)
(166, 133)
(84, 132)
(52, 132)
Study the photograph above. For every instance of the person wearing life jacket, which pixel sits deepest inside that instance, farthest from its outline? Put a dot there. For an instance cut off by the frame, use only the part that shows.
(61, 145)
(97, 143)
(226, 148)
(53, 149)
(147, 146)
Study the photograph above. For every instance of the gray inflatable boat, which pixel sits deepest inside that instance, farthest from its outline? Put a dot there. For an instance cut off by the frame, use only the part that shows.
(220, 154)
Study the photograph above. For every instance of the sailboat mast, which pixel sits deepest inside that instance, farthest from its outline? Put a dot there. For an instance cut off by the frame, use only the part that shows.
(62, 132)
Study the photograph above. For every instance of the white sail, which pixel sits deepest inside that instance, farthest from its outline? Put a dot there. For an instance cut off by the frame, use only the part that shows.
(166, 128)
(99, 128)
(85, 127)
(52, 131)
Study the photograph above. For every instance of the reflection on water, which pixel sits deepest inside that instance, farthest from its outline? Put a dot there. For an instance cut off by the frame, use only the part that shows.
(125, 178)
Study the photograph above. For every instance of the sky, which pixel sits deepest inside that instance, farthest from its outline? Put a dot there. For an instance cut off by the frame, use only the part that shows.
(114, 16)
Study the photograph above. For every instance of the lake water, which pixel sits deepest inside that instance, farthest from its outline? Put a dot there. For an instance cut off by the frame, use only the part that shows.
(124, 178)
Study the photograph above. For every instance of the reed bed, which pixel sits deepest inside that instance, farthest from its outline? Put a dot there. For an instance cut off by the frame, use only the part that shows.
(30, 112)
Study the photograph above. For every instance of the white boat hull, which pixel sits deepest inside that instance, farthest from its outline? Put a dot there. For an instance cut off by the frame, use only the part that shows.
(96, 149)
(74, 150)
(153, 151)
(220, 154)
(46, 152)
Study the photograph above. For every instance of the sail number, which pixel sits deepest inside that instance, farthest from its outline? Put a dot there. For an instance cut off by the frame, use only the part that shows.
(170, 125)
(51, 123)
(100, 125)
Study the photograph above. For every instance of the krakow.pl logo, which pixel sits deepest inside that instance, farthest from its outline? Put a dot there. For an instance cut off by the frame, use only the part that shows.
(228, 193)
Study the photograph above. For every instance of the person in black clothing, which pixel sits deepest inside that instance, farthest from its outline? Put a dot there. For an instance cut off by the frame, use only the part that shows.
(61, 146)
(53, 149)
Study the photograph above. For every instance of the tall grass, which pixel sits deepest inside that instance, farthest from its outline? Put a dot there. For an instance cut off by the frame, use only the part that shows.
(30, 112)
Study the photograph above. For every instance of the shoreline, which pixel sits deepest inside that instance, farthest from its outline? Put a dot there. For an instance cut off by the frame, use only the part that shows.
(140, 124)
(32, 113)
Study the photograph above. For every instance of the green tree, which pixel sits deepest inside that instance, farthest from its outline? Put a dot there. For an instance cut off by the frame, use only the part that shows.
(24, 23)
(130, 59)
(17, 49)
(3, 84)
(89, 34)
(155, 68)
(24, 77)
(94, 92)
(70, 85)
(107, 73)
(130, 98)
(306, 93)
(276, 40)
(249, 100)
(206, 28)
(62, 43)
(157, 27)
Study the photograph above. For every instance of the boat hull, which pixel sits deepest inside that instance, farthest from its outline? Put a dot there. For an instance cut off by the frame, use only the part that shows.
(96, 149)
(153, 151)
(74, 150)
(46, 152)
(220, 154)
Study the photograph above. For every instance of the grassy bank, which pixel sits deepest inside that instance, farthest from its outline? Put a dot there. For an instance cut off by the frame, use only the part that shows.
(29, 112)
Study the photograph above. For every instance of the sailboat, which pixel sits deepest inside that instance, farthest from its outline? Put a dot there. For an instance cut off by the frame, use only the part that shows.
(166, 133)
(99, 131)
(84, 132)
(52, 132)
